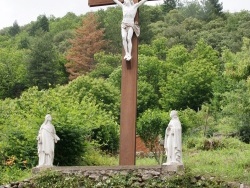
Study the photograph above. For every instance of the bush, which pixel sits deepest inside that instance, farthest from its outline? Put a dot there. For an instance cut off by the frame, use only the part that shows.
(95, 157)
(70, 147)
(151, 126)
(75, 114)
(107, 136)
(244, 133)
(214, 143)
(12, 174)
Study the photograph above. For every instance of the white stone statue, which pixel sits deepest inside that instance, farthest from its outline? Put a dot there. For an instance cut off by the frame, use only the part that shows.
(128, 25)
(46, 142)
(173, 140)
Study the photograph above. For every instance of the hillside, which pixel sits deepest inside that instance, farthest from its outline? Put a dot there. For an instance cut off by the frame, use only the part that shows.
(193, 58)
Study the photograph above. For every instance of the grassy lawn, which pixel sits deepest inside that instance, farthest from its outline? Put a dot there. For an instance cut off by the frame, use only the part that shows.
(227, 164)
(230, 162)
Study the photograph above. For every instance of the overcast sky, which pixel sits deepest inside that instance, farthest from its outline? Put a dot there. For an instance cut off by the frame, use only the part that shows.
(25, 11)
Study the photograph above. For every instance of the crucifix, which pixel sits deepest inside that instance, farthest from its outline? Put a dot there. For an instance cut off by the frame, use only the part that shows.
(129, 76)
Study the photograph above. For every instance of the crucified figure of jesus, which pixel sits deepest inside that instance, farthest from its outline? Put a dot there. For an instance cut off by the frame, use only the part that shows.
(128, 25)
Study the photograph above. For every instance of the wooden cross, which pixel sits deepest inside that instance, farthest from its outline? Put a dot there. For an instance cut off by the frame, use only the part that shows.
(128, 97)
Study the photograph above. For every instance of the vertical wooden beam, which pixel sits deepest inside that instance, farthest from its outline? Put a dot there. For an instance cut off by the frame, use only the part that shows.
(129, 105)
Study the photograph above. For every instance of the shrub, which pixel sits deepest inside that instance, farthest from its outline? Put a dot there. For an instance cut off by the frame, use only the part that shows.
(95, 157)
(12, 173)
(107, 136)
(150, 126)
(70, 147)
(214, 143)
(244, 133)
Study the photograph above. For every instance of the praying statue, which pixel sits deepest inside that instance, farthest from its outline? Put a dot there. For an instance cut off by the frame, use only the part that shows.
(46, 142)
(128, 25)
(172, 142)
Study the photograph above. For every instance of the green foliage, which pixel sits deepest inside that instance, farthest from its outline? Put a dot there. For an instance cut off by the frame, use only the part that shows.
(12, 72)
(107, 137)
(111, 21)
(12, 174)
(169, 5)
(177, 56)
(190, 85)
(95, 157)
(194, 59)
(75, 114)
(43, 64)
(152, 124)
(15, 29)
(145, 49)
(67, 23)
(191, 123)
(237, 66)
(98, 90)
(151, 127)
(42, 24)
(148, 15)
(150, 72)
(147, 98)
(244, 133)
(115, 77)
(235, 106)
(57, 179)
(71, 146)
(213, 143)
(211, 9)
(106, 63)
(160, 47)
(61, 40)
(228, 164)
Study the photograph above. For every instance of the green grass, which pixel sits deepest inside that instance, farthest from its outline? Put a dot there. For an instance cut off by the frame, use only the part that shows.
(231, 163)
(10, 174)
(147, 161)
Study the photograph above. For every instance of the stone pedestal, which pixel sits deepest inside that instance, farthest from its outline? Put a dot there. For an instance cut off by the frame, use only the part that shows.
(172, 167)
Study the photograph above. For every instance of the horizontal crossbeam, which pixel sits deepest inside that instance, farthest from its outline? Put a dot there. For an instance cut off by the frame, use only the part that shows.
(94, 3)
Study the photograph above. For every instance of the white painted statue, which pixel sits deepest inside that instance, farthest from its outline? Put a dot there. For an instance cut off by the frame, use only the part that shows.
(173, 140)
(46, 142)
(128, 25)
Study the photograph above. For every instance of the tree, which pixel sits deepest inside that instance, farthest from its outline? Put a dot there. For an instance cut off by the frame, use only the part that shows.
(211, 10)
(42, 24)
(237, 66)
(12, 72)
(151, 125)
(15, 29)
(190, 85)
(43, 63)
(111, 21)
(68, 22)
(169, 5)
(87, 42)
(106, 64)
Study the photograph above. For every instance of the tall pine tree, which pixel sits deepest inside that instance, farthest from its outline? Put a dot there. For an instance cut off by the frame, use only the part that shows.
(43, 63)
(88, 41)
(211, 10)
(15, 29)
(168, 5)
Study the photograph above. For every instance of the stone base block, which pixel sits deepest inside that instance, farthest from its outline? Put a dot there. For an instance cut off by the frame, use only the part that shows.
(172, 167)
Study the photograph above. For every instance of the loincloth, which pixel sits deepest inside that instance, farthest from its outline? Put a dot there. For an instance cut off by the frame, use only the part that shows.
(135, 27)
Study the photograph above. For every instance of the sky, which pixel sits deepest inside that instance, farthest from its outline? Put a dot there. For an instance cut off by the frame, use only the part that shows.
(25, 11)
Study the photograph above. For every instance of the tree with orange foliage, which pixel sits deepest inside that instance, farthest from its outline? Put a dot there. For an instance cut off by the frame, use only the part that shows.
(88, 41)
